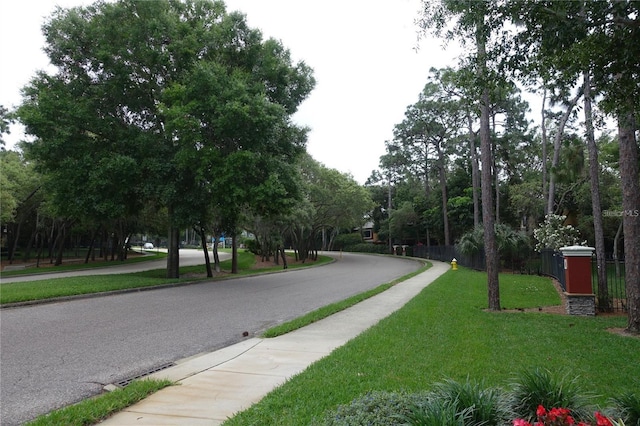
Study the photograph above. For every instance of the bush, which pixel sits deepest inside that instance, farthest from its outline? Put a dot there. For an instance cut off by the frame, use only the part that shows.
(470, 404)
(252, 245)
(436, 412)
(480, 404)
(346, 241)
(449, 403)
(627, 407)
(375, 409)
(553, 233)
(540, 387)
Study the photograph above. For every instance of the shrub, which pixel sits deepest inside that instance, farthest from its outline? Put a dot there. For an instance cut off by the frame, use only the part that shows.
(472, 404)
(434, 412)
(553, 233)
(627, 407)
(540, 387)
(346, 241)
(512, 245)
(375, 409)
(481, 404)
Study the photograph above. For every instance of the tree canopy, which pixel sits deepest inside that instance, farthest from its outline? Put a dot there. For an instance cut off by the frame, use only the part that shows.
(158, 99)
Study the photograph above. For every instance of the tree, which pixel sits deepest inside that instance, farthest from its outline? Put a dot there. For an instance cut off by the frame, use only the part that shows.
(332, 202)
(158, 95)
(431, 125)
(20, 196)
(459, 83)
(6, 118)
(476, 21)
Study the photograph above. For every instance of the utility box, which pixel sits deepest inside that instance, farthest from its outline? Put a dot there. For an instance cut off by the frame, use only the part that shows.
(577, 273)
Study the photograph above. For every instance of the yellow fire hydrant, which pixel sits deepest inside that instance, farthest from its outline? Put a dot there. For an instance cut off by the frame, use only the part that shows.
(454, 264)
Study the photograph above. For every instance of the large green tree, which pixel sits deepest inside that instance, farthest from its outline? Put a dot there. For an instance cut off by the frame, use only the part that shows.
(427, 135)
(332, 202)
(155, 96)
(479, 22)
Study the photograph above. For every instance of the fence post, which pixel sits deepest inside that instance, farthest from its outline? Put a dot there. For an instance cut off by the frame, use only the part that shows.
(579, 290)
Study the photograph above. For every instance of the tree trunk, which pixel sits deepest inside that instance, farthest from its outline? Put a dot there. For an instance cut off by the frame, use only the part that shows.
(556, 151)
(285, 265)
(216, 256)
(443, 189)
(16, 237)
(475, 172)
(488, 220)
(543, 127)
(60, 244)
(39, 246)
(234, 254)
(604, 301)
(616, 243)
(173, 252)
(631, 216)
(91, 244)
(203, 241)
(496, 178)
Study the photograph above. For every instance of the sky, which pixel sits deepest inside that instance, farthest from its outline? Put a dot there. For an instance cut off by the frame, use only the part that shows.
(366, 55)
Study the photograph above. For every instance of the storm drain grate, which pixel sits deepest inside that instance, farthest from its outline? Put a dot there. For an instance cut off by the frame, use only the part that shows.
(126, 382)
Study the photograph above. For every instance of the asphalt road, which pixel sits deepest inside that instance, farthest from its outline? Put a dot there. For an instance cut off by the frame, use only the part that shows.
(56, 354)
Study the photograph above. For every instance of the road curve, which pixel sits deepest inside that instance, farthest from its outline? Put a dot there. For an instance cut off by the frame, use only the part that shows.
(60, 353)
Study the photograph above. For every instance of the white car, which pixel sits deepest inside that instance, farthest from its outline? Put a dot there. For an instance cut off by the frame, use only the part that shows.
(148, 246)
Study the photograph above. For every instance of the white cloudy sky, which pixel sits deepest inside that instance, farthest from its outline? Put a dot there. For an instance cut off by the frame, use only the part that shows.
(365, 54)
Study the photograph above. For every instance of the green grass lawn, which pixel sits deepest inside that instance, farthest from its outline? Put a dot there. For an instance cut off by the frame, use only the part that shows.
(62, 287)
(75, 265)
(445, 332)
(94, 410)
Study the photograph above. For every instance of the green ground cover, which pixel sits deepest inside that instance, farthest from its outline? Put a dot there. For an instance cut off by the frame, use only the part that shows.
(446, 333)
(69, 265)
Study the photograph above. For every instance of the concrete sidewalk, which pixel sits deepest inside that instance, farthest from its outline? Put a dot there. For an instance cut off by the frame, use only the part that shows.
(215, 386)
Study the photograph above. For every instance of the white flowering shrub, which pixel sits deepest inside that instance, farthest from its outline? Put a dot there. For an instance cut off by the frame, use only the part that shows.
(554, 234)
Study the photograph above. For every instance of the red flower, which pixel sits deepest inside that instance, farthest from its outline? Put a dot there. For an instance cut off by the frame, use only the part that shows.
(560, 417)
(602, 420)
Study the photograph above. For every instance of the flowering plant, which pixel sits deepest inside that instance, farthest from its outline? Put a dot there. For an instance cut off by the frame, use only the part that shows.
(560, 417)
(553, 233)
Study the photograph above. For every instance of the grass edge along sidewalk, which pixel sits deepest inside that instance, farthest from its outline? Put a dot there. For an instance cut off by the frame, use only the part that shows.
(446, 333)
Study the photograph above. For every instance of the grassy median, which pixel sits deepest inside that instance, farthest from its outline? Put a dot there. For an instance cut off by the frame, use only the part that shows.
(65, 287)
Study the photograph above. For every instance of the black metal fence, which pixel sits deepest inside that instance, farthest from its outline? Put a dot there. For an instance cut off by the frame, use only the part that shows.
(552, 264)
(447, 254)
(613, 298)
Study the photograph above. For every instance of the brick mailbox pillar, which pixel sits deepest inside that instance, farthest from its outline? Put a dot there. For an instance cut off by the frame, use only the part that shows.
(577, 273)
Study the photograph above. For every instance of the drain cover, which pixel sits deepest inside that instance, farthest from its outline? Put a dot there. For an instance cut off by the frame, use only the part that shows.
(126, 382)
